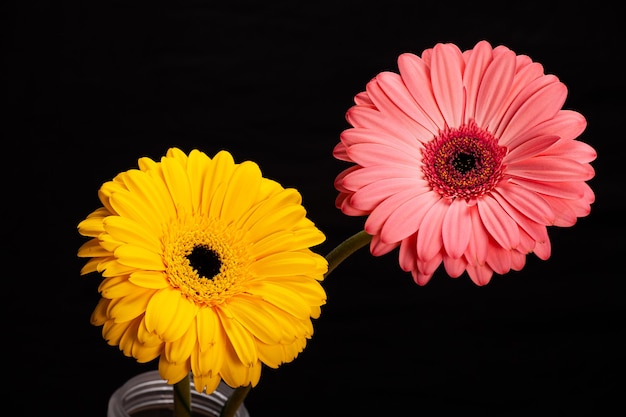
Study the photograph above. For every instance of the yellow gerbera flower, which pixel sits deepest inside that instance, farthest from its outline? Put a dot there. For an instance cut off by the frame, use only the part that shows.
(206, 265)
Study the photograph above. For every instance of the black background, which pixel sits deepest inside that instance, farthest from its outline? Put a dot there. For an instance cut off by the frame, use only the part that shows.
(92, 86)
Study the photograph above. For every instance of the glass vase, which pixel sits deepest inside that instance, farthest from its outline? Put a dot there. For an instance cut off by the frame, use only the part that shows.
(148, 395)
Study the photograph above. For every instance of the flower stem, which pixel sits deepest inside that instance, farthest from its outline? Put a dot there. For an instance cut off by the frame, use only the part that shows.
(346, 248)
(234, 401)
(182, 397)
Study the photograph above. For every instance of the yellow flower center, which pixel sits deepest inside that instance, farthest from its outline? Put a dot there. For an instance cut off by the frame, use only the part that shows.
(206, 260)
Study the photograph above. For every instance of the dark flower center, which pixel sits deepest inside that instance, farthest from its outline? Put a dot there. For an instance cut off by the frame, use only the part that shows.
(465, 162)
(205, 261)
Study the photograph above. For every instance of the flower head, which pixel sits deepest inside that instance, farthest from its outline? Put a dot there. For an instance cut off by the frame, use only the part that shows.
(464, 158)
(206, 265)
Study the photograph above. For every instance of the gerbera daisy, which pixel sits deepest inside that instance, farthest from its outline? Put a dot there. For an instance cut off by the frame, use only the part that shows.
(464, 158)
(206, 265)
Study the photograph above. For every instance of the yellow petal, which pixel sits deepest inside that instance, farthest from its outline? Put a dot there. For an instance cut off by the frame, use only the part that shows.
(281, 297)
(240, 338)
(110, 267)
(209, 328)
(217, 173)
(91, 249)
(127, 230)
(172, 372)
(115, 287)
(99, 315)
(241, 192)
(205, 368)
(287, 240)
(237, 374)
(150, 188)
(92, 226)
(178, 184)
(198, 164)
(139, 258)
(112, 332)
(146, 164)
(208, 359)
(131, 306)
(179, 350)
(169, 314)
(280, 201)
(149, 279)
(287, 264)
(251, 313)
(178, 155)
(145, 353)
(130, 205)
(309, 289)
(146, 337)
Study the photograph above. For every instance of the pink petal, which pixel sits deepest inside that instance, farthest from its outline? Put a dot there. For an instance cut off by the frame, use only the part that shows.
(499, 259)
(374, 193)
(568, 190)
(341, 178)
(368, 154)
(523, 77)
(521, 61)
(429, 240)
(565, 214)
(530, 204)
(447, 80)
(421, 278)
(379, 215)
(477, 60)
(359, 178)
(530, 148)
(498, 223)
(407, 254)
(566, 124)
(476, 252)
(429, 266)
(387, 106)
(456, 228)
(543, 250)
(537, 230)
(495, 87)
(343, 202)
(540, 101)
(587, 199)
(518, 260)
(398, 98)
(526, 240)
(379, 248)
(416, 76)
(407, 217)
(572, 149)
(454, 266)
(480, 274)
(360, 116)
(362, 99)
(550, 168)
(357, 135)
(340, 153)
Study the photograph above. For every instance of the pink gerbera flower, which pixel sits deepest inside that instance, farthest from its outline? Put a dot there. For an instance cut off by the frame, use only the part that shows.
(464, 158)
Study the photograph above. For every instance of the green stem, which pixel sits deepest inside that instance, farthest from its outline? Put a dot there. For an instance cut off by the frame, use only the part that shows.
(234, 401)
(182, 398)
(346, 248)
(334, 258)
